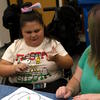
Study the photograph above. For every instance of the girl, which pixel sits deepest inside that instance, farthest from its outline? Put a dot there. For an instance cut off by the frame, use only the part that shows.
(36, 60)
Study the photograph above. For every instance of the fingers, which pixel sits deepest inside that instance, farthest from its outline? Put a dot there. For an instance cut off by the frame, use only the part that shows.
(62, 92)
(21, 67)
(52, 57)
(77, 98)
(80, 97)
(67, 95)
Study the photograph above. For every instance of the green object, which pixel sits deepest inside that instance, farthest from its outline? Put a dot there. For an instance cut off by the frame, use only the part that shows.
(35, 78)
(41, 76)
(89, 82)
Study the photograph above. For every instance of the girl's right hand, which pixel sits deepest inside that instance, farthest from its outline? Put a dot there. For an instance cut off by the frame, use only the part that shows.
(63, 92)
(20, 67)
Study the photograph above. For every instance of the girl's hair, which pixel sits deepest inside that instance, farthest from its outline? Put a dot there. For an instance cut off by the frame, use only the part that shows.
(30, 16)
(94, 35)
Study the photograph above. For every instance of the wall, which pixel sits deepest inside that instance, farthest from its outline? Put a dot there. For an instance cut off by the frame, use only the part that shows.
(4, 33)
(60, 3)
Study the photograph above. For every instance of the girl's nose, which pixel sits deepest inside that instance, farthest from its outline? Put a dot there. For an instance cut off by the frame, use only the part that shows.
(33, 34)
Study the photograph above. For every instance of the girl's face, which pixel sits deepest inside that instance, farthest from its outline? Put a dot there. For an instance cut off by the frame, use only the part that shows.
(33, 33)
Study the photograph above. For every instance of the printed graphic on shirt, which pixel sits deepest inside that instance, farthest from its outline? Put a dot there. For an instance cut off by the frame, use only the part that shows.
(37, 69)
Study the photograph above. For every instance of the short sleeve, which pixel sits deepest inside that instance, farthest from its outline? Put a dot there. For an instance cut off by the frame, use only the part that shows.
(84, 57)
(60, 49)
(9, 53)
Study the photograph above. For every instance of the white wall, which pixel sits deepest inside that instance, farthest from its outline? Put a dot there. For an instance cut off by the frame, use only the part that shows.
(4, 33)
(60, 3)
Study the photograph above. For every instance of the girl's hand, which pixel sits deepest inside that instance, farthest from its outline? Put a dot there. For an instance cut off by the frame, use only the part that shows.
(20, 67)
(87, 97)
(63, 92)
(52, 57)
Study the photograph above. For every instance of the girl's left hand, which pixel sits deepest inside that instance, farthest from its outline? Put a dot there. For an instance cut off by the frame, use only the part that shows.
(52, 57)
(87, 97)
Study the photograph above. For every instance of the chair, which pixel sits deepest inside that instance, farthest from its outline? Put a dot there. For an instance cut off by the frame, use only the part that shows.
(11, 18)
(65, 26)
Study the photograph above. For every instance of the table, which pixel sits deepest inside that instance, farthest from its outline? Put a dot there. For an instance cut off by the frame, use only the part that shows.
(6, 90)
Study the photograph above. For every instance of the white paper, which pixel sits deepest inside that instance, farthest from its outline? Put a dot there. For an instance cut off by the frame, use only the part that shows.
(25, 94)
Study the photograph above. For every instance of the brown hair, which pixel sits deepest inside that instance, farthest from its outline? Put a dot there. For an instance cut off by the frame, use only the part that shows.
(33, 15)
(94, 35)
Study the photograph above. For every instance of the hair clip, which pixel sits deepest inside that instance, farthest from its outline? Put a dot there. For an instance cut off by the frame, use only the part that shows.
(28, 9)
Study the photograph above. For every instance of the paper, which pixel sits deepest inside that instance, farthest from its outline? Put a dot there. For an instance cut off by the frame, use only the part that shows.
(25, 94)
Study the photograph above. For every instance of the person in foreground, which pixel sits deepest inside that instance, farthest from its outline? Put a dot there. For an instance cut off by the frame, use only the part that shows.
(85, 83)
(36, 60)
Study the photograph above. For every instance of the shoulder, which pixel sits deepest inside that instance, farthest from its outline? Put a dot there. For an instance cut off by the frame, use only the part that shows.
(18, 41)
(87, 50)
(15, 44)
(53, 42)
(84, 57)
